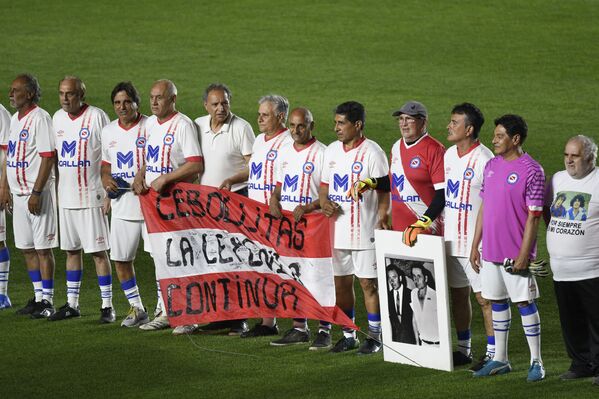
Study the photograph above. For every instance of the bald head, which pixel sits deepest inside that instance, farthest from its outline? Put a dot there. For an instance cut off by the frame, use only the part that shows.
(301, 124)
(163, 96)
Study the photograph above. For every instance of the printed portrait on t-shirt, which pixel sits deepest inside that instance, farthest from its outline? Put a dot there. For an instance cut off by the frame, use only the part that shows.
(570, 205)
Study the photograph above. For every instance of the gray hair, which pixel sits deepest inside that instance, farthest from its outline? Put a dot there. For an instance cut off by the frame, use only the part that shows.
(589, 148)
(170, 86)
(32, 85)
(280, 103)
(308, 118)
(217, 86)
(78, 82)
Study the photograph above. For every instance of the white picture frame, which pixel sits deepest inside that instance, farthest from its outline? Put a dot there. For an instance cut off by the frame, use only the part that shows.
(425, 259)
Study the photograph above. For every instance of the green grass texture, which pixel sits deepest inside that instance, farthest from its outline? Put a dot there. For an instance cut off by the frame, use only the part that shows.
(534, 58)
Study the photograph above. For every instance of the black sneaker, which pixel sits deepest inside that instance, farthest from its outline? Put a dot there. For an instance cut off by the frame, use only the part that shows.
(345, 344)
(322, 341)
(27, 309)
(43, 310)
(574, 375)
(459, 359)
(65, 312)
(260, 330)
(107, 315)
(292, 337)
(481, 363)
(370, 346)
(235, 327)
(238, 327)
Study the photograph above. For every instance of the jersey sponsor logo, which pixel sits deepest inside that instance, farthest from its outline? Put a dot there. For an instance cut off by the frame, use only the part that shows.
(453, 187)
(340, 182)
(17, 164)
(463, 206)
(296, 198)
(24, 135)
(513, 178)
(152, 154)
(341, 198)
(260, 187)
(84, 133)
(308, 168)
(397, 182)
(124, 175)
(271, 155)
(255, 170)
(290, 182)
(124, 159)
(357, 167)
(12, 146)
(169, 139)
(140, 142)
(158, 169)
(68, 149)
(468, 174)
(415, 163)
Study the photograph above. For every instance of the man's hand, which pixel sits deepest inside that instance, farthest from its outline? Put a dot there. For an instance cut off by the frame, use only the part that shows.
(475, 259)
(361, 186)
(106, 206)
(160, 184)
(35, 203)
(410, 235)
(139, 185)
(226, 185)
(5, 199)
(330, 208)
(275, 209)
(299, 211)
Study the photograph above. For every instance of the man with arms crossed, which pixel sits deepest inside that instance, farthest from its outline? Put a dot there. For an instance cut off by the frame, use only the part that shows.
(574, 251)
(83, 224)
(168, 129)
(28, 175)
(507, 223)
(464, 165)
(349, 160)
(123, 154)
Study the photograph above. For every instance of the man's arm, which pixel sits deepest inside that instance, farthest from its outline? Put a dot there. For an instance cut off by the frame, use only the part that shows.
(107, 180)
(475, 261)
(383, 209)
(240, 177)
(187, 172)
(5, 197)
(274, 204)
(139, 182)
(530, 234)
(35, 202)
(329, 208)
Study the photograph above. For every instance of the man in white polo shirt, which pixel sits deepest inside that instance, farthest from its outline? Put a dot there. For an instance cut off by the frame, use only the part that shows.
(83, 224)
(29, 178)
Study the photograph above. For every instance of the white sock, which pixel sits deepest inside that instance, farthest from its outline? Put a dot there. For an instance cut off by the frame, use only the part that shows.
(531, 323)
(502, 318)
(105, 283)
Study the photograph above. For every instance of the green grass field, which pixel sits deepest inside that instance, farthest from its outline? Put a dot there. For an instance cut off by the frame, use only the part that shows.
(535, 58)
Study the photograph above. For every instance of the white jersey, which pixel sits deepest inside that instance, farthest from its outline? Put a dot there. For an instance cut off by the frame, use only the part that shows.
(356, 221)
(264, 163)
(170, 144)
(225, 150)
(79, 152)
(300, 173)
(463, 180)
(4, 124)
(30, 139)
(125, 150)
(573, 240)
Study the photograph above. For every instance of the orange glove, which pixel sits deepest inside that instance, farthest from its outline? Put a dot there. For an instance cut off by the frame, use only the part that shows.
(410, 235)
(361, 186)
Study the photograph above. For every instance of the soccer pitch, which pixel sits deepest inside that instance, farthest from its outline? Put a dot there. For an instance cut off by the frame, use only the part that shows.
(536, 58)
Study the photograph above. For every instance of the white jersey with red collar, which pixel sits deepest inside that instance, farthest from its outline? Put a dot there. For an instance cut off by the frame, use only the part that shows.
(79, 152)
(125, 151)
(356, 221)
(264, 164)
(170, 144)
(416, 171)
(30, 139)
(463, 180)
(300, 173)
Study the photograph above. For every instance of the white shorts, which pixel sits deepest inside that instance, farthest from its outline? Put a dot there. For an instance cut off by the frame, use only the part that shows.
(85, 229)
(2, 226)
(124, 239)
(359, 262)
(460, 274)
(35, 231)
(497, 284)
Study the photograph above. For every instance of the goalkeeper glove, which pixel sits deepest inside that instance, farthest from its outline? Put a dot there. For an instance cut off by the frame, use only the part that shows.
(410, 235)
(361, 186)
(536, 268)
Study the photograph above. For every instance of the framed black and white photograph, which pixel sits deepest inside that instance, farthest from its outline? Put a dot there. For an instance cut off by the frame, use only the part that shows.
(414, 300)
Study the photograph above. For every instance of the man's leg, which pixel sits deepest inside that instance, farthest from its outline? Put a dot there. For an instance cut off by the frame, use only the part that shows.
(462, 317)
(371, 301)
(4, 270)
(104, 272)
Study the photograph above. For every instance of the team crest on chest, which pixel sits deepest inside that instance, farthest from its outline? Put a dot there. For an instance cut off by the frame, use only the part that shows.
(169, 139)
(84, 133)
(513, 178)
(24, 135)
(308, 168)
(271, 155)
(468, 174)
(415, 163)
(140, 142)
(357, 167)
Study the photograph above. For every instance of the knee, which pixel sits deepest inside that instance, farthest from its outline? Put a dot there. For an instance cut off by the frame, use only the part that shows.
(368, 285)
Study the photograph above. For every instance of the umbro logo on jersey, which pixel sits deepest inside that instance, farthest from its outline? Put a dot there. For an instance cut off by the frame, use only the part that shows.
(512, 178)
(271, 155)
(415, 163)
(308, 168)
(357, 167)
(60, 133)
(468, 174)
(84, 133)
(112, 144)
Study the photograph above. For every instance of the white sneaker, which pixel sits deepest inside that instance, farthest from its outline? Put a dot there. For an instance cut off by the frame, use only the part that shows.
(136, 317)
(187, 329)
(159, 323)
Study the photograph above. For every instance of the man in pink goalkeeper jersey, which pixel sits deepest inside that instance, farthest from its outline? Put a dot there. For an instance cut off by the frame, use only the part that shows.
(27, 187)
(508, 220)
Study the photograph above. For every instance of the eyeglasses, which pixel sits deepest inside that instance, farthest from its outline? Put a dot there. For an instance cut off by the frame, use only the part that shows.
(407, 120)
